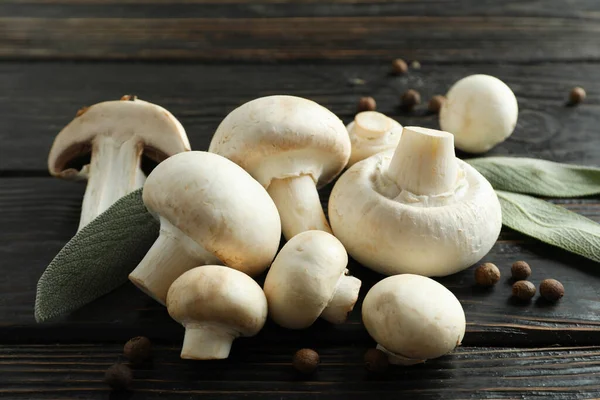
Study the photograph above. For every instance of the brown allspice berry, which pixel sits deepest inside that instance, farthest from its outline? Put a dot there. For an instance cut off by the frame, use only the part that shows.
(81, 111)
(129, 97)
(520, 270)
(551, 289)
(366, 104)
(376, 361)
(138, 350)
(523, 290)
(399, 66)
(487, 275)
(577, 95)
(435, 104)
(410, 99)
(118, 377)
(306, 361)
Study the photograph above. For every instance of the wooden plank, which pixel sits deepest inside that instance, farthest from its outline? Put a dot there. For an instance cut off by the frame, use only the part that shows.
(38, 99)
(39, 215)
(433, 30)
(66, 371)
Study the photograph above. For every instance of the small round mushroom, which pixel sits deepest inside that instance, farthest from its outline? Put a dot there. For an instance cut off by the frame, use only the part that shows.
(291, 146)
(116, 133)
(417, 210)
(308, 280)
(481, 111)
(370, 133)
(211, 211)
(215, 305)
(413, 318)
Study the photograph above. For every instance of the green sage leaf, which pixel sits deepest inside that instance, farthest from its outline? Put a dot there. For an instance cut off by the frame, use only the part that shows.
(97, 259)
(551, 224)
(538, 177)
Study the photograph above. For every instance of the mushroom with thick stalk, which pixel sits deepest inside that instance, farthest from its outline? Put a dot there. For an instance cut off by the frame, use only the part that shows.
(370, 133)
(480, 111)
(116, 133)
(416, 210)
(308, 280)
(211, 211)
(413, 318)
(215, 305)
(291, 146)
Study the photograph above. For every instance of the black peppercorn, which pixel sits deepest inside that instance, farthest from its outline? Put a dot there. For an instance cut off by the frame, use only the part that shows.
(306, 361)
(118, 377)
(376, 361)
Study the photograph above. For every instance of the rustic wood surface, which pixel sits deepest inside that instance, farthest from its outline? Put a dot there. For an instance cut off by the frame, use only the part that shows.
(202, 58)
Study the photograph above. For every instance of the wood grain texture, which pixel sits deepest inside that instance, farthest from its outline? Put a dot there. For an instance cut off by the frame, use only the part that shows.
(61, 372)
(197, 30)
(41, 214)
(37, 100)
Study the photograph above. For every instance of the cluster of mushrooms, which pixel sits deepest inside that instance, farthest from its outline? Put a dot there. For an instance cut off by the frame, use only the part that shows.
(405, 207)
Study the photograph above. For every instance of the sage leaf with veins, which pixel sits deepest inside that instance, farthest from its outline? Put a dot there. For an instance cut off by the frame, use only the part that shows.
(97, 259)
(538, 177)
(551, 224)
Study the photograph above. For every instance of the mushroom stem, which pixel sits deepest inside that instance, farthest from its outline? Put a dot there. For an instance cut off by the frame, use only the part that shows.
(371, 124)
(397, 359)
(343, 300)
(172, 254)
(206, 342)
(299, 205)
(424, 162)
(114, 171)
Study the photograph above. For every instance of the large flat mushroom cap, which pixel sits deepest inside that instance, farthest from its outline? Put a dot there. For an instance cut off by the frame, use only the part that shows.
(219, 206)
(279, 137)
(159, 133)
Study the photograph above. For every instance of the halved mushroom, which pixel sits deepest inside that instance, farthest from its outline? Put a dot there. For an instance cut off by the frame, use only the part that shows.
(417, 210)
(116, 133)
(372, 132)
(211, 211)
(291, 146)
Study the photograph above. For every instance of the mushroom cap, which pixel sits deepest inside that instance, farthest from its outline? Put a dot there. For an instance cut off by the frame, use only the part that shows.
(370, 133)
(218, 295)
(302, 280)
(278, 137)
(159, 133)
(414, 317)
(481, 111)
(394, 232)
(218, 205)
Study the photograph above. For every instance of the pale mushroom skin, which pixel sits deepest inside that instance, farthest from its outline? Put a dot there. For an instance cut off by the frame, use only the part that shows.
(116, 133)
(370, 133)
(413, 318)
(418, 209)
(308, 280)
(290, 145)
(481, 111)
(211, 212)
(216, 305)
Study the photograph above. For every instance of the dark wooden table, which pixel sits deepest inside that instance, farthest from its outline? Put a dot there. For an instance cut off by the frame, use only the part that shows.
(202, 58)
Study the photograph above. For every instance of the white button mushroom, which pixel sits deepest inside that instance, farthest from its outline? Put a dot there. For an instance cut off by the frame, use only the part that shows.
(216, 305)
(418, 210)
(308, 280)
(413, 318)
(211, 212)
(289, 144)
(370, 133)
(116, 133)
(481, 111)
